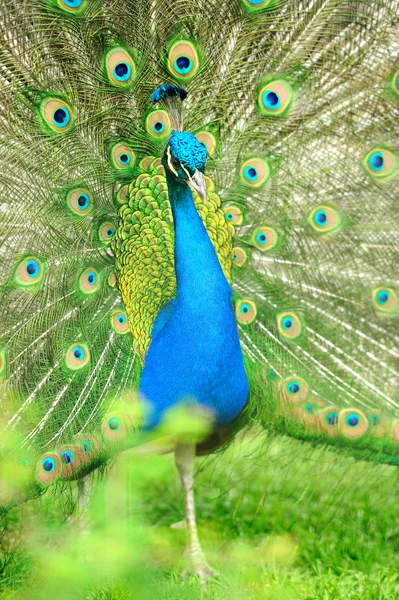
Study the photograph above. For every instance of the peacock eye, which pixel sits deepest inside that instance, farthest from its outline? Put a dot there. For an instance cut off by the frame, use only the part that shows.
(68, 457)
(275, 98)
(233, 215)
(114, 424)
(72, 5)
(77, 356)
(79, 201)
(119, 322)
(120, 67)
(245, 311)
(254, 172)
(30, 271)
(48, 464)
(239, 256)
(381, 163)
(89, 281)
(56, 114)
(106, 232)
(289, 325)
(86, 446)
(122, 156)
(385, 300)
(158, 124)
(207, 138)
(264, 238)
(324, 219)
(183, 59)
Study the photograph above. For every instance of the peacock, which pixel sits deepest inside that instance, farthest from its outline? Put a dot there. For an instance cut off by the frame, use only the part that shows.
(197, 215)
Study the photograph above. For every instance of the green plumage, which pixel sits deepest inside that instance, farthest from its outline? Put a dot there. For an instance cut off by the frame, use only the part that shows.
(298, 108)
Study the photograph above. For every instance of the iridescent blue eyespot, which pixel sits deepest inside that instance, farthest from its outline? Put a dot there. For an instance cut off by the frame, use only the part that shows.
(73, 3)
(383, 297)
(78, 352)
(310, 408)
(229, 216)
(68, 457)
(83, 201)
(251, 173)
(122, 71)
(158, 127)
(48, 464)
(110, 232)
(352, 420)
(320, 217)
(183, 65)
(125, 159)
(261, 238)
(376, 161)
(114, 424)
(374, 420)
(32, 268)
(271, 100)
(92, 278)
(286, 323)
(61, 117)
(122, 319)
(332, 418)
(293, 387)
(86, 446)
(244, 308)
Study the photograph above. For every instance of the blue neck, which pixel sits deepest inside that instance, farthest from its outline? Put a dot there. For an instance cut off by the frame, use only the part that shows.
(199, 276)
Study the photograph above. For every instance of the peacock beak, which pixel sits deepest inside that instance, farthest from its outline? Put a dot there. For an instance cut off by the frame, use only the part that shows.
(197, 183)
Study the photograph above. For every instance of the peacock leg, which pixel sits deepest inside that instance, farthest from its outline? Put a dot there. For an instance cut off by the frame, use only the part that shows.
(184, 458)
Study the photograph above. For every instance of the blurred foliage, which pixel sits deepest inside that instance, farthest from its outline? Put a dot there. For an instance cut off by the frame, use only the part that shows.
(278, 520)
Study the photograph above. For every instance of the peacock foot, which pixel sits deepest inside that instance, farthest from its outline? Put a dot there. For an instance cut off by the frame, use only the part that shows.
(197, 565)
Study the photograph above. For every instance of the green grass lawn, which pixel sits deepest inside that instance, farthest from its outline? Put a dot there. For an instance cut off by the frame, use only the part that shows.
(278, 521)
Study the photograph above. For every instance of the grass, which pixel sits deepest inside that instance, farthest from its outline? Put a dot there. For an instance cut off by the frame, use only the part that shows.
(278, 521)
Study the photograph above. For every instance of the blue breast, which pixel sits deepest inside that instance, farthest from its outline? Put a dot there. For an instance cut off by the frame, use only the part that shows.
(195, 353)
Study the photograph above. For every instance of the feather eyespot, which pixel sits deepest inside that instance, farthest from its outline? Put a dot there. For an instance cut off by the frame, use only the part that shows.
(120, 67)
(264, 238)
(57, 114)
(256, 4)
(381, 163)
(89, 281)
(120, 322)
(352, 423)
(48, 468)
(122, 195)
(233, 215)
(106, 232)
(183, 60)
(208, 139)
(395, 82)
(239, 256)
(328, 420)
(385, 299)
(275, 98)
(245, 311)
(29, 272)
(294, 390)
(122, 156)
(80, 201)
(158, 124)
(115, 426)
(254, 172)
(77, 356)
(324, 219)
(289, 325)
(72, 6)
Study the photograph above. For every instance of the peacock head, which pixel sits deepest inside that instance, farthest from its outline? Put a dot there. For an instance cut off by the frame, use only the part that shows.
(185, 157)
(184, 161)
